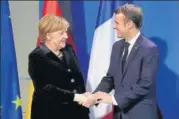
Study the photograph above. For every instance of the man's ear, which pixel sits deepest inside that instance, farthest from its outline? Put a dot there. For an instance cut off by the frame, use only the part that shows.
(130, 24)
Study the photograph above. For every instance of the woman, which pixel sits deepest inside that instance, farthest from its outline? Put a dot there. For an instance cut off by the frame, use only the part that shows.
(54, 70)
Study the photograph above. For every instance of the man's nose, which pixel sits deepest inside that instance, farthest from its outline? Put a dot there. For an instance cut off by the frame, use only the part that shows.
(114, 26)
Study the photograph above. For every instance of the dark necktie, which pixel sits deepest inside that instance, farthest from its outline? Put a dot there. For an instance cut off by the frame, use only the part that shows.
(126, 46)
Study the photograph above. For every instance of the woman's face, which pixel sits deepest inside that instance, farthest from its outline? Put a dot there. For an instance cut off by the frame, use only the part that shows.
(58, 39)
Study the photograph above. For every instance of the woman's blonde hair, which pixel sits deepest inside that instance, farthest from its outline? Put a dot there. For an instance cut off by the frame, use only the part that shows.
(51, 23)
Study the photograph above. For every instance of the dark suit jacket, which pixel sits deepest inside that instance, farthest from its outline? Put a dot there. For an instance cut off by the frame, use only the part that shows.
(55, 82)
(135, 89)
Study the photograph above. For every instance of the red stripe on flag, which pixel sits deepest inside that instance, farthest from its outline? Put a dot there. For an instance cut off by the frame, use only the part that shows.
(51, 7)
(38, 42)
(70, 41)
(108, 116)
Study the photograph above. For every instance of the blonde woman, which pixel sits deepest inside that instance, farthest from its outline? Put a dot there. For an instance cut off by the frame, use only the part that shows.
(54, 70)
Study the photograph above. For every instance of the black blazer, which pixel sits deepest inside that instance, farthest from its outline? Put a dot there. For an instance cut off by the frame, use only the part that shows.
(55, 83)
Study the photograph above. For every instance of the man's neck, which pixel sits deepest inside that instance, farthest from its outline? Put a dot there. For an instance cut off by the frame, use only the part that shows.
(131, 34)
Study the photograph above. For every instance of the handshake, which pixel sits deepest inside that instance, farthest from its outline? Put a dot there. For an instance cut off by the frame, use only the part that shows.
(88, 99)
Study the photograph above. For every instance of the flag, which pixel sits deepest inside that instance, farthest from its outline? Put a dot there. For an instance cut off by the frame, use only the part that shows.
(11, 100)
(104, 38)
(49, 7)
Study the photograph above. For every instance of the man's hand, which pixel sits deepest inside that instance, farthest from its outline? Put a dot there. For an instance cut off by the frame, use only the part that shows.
(87, 99)
(91, 100)
(103, 97)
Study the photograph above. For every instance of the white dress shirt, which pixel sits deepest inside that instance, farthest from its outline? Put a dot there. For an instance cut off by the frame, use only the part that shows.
(131, 42)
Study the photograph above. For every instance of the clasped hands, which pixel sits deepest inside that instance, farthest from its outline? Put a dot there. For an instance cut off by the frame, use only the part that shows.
(88, 99)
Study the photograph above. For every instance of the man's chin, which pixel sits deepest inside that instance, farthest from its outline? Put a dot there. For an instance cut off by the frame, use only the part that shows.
(119, 36)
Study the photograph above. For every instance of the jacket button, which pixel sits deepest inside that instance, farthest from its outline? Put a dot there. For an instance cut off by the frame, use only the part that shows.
(69, 70)
(72, 80)
(75, 91)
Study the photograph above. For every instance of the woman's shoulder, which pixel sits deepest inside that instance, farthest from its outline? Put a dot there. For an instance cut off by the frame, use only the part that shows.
(35, 51)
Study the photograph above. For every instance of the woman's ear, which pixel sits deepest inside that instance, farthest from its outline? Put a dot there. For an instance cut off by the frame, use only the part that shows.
(48, 36)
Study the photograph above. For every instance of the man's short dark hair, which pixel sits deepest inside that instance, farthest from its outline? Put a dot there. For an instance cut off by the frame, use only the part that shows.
(132, 12)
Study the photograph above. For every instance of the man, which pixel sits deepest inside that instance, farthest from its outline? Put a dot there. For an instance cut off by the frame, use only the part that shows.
(133, 70)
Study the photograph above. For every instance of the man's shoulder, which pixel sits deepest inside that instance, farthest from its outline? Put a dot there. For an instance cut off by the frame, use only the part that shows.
(147, 43)
(148, 46)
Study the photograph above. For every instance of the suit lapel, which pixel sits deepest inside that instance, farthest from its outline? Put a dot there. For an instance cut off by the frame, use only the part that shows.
(120, 55)
(132, 53)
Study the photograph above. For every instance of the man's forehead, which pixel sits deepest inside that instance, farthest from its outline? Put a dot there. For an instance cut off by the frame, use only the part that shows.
(119, 16)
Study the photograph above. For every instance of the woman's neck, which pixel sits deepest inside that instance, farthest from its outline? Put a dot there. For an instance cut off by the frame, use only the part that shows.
(56, 51)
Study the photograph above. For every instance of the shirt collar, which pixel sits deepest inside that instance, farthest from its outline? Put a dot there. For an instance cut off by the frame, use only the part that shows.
(133, 40)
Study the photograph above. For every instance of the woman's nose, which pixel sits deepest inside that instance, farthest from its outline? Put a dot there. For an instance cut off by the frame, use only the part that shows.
(66, 35)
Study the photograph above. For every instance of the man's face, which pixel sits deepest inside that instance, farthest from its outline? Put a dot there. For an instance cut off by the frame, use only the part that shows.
(121, 25)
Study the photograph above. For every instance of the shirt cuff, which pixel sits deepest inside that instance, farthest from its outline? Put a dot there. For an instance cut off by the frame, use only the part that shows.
(114, 100)
(79, 98)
